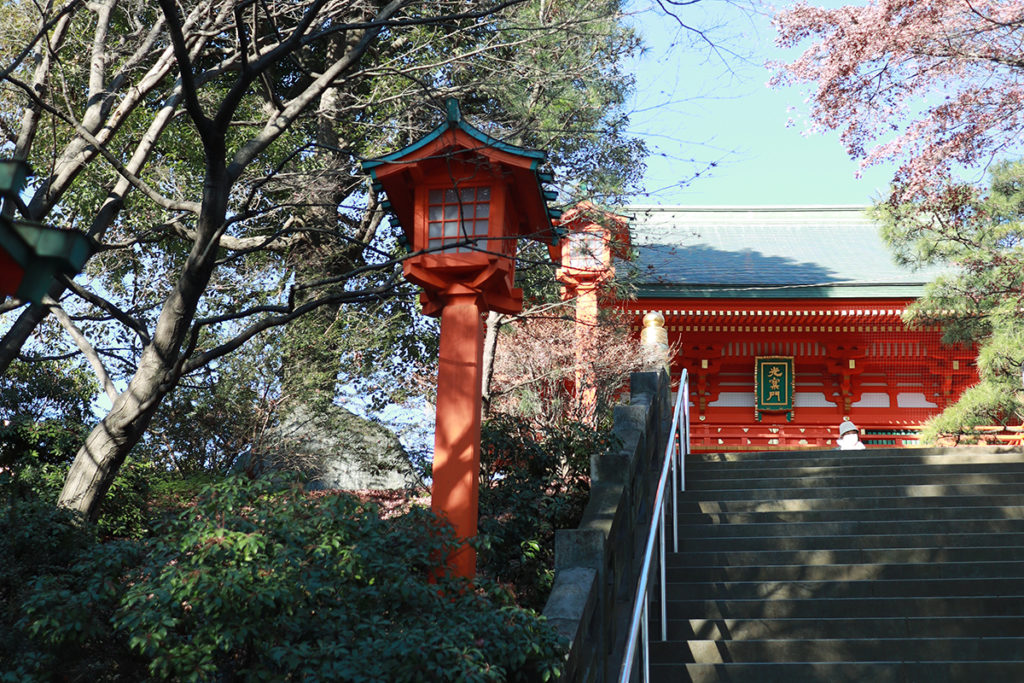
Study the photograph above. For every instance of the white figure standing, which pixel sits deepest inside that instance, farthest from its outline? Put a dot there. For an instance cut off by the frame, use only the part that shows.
(849, 437)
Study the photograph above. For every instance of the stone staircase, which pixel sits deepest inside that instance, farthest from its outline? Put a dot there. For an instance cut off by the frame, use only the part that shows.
(879, 565)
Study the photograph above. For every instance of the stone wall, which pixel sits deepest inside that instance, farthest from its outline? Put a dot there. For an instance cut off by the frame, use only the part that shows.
(597, 564)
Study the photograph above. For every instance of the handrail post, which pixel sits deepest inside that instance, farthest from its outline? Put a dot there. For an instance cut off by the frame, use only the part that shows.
(676, 450)
(683, 436)
(661, 544)
(646, 661)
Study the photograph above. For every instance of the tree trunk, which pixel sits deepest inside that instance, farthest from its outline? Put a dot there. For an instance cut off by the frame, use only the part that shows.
(107, 446)
(100, 458)
(491, 325)
(24, 326)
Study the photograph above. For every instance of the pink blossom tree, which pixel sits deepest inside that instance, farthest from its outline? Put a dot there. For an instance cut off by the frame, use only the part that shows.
(936, 86)
(932, 85)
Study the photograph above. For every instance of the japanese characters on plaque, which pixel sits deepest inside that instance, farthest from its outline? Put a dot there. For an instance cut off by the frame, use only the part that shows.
(774, 385)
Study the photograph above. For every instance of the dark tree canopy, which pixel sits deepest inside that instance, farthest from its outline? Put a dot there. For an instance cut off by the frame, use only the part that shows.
(212, 149)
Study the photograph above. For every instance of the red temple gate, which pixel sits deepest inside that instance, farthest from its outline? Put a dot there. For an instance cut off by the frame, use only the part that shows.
(739, 287)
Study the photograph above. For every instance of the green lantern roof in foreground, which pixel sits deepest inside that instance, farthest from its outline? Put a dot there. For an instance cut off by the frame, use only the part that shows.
(39, 251)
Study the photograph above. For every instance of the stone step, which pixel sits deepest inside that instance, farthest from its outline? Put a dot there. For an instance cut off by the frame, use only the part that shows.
(689, 503)
(832, 556)
(841, 461)
(858, 588)
(841, 672)
(844, 481)
(878, 565)
(845, 608)
(854, 514)
(1006, 649)
(846, 572)
(873, 627)
(854, 527)
(833, 455)
(863, 541)
(880, 491)
(803, 475)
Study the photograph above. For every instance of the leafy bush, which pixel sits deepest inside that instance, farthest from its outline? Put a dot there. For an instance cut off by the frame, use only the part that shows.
(124, 513)
(256, 581)
(44, 411)
(59, 590)
(531, 485)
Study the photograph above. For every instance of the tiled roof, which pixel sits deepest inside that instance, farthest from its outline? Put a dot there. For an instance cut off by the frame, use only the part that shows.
(762, 252)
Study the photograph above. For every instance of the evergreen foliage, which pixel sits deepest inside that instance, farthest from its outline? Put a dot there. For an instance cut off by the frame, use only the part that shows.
(531, 485)
(256, 580)
(44, 411)
(214, 155)
(980, 301)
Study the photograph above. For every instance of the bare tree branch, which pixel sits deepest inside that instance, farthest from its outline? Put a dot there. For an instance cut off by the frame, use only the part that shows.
(276, 125)
(84, 346)
(286, 315)
(116, 313)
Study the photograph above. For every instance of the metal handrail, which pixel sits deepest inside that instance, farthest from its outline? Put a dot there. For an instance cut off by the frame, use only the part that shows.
(677, 449)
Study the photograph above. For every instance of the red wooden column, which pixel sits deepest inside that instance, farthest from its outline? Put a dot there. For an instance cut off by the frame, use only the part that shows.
(456, 468)
(586, 333)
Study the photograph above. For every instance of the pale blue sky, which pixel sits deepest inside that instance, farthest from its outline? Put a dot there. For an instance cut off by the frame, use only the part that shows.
(695, 105)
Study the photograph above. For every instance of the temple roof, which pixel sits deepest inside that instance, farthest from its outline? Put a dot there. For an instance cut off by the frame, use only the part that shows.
(766, 252)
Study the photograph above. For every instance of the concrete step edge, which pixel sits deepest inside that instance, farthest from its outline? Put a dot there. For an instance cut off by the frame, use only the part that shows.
(821, 589)
(847, 528)
(1015, 459)
(689, 505)
(842, 649)
(844, 481)
(844, 572)
(833, 453)
(818, 557)
(840, 672)
(842, 492)
(845, 627)
(853, 514)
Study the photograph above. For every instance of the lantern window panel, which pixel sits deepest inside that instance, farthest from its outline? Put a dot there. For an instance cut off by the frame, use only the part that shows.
(456, 216)
(586, 251)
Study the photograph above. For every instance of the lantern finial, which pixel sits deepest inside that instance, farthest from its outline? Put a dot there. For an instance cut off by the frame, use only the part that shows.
(454, 114)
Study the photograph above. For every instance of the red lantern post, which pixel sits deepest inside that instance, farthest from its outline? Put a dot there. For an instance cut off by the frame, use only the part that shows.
(463, 198)
(594, 237)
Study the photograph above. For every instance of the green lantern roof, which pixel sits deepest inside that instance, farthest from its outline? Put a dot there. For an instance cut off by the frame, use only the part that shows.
(454, 119)
(41, 251)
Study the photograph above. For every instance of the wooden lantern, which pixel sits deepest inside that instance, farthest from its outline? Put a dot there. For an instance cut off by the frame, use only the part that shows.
(463, 199)
(594, 237)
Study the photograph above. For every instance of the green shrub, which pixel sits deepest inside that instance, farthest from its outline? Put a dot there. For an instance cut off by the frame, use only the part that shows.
(125, 508)
(59, 590)
(530, 486)
(256, 581)
(44, 411)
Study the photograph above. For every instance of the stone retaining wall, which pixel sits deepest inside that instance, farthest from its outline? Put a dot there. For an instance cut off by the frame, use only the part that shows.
(596, 564)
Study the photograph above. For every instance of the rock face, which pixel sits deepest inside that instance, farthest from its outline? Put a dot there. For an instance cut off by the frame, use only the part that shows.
(341, 450)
